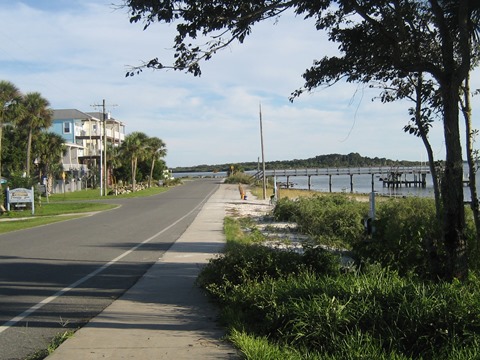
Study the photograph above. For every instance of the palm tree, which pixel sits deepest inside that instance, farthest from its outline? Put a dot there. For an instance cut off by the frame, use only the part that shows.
(134, 149)
(34, 116)
(155, 150)
(9, 94)
(48, 149)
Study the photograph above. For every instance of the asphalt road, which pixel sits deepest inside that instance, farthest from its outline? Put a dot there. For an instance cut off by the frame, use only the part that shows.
(57, 277)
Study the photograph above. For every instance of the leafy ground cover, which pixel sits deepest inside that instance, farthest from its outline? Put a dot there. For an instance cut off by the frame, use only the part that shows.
(284, 304)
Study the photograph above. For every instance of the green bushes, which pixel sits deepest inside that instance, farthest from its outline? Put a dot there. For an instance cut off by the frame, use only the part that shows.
(172, 182)
(370, 314)
(281, 304)
(406, 234)
(334, 219)
(244, 263)
(239, 178)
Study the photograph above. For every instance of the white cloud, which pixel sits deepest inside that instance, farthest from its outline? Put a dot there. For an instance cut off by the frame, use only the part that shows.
(76, 52)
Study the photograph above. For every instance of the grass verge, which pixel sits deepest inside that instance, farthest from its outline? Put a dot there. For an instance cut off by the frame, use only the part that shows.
(66, 206)
(58, 340)
(94, 194)
(27, 223)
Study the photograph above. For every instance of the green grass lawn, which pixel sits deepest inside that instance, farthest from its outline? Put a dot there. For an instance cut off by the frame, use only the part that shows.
(28, 222)
(60, 207)
(94, 194)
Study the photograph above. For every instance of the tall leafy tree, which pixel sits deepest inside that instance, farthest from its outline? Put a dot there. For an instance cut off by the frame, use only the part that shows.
(378, 40)
(423, 94)
(155, 150)
(133, 148)
(9, 94)
(34, 115)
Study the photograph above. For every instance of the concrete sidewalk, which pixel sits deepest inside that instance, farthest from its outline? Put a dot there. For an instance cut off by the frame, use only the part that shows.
(164, 315)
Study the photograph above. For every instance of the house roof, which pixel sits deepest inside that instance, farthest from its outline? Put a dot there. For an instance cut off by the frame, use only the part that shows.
(72, 114)
(99, 115)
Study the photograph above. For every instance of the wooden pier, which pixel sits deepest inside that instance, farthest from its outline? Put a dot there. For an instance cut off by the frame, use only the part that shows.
(394, 180)
(394, 177)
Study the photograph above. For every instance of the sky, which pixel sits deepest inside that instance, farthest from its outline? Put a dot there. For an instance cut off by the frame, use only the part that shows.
(76, 54)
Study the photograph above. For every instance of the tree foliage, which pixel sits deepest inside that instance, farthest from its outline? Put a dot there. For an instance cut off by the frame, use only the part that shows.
(9, 95)
(33, 114)
(25, 141)
(155, 149)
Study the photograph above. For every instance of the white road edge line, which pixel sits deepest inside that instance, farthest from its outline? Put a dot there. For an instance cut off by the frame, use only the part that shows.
(59, 293)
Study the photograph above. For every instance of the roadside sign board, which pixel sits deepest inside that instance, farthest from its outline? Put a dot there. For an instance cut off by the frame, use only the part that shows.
(20, 196)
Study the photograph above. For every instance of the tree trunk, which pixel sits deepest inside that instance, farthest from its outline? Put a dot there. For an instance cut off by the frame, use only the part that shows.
(29, 151)
(428, 147)
(430, 242)
(151, 173)
(452, 187)
(2, 114)
(472, 182)
(134, 172)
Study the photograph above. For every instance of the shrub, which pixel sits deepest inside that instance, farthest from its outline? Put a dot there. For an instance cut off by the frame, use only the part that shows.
(239, 178)
(245, 263)
(404, 228)
(20, 181)
(331, 219)
(301, 306)
(172, 182)
(374, 313)
(286, 210)
(246, 260)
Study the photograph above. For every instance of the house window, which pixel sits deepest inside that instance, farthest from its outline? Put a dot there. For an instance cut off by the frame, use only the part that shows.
(67, 128)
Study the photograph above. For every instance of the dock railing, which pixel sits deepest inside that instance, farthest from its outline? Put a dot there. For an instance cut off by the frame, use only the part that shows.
(383, 170)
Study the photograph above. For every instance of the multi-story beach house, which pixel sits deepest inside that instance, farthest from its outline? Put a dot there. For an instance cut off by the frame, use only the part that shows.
(87, 135)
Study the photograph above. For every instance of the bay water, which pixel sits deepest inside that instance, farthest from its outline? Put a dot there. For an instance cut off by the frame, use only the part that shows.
(362, 183)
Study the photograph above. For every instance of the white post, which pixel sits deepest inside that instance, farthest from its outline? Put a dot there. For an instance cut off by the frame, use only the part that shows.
(275, 188)
(263, 157)
(101, 162)
(33, 202)
(371, 213)
(7, 194)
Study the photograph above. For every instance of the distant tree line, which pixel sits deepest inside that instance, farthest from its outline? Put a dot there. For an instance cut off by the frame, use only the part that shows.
(319, 161)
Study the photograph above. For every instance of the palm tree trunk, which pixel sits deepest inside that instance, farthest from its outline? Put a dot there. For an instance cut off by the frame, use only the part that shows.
(151, 173)
(29, 151)
(134, 172)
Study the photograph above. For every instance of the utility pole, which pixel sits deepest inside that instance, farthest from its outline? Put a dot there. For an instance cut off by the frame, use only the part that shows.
(263, 157)
(105, 177)
(103, 150)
